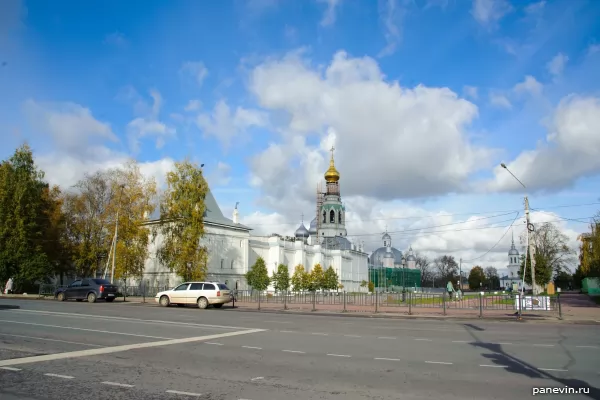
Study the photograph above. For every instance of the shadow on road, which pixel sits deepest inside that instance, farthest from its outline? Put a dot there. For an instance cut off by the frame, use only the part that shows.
(512, 364)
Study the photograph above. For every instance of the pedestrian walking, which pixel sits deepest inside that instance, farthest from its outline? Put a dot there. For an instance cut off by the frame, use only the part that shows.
(9, 286)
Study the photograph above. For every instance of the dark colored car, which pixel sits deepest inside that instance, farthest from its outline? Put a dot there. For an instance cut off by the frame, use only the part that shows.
(90, 289)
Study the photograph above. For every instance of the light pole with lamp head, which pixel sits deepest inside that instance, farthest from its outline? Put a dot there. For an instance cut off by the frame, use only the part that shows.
(403, 278)
(530, 244)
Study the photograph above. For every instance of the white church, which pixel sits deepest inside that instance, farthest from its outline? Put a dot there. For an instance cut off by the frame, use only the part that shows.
(233, 249)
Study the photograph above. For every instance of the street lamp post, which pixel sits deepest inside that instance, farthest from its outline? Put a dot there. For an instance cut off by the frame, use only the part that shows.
(530, 244)
(403, 278)
(112, 272)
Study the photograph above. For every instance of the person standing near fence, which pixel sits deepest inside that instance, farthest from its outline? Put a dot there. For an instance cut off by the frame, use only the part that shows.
(9, 286)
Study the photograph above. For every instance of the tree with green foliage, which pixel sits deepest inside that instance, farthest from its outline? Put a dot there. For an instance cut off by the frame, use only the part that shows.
(300, 278)
(317, 278)
(26, 203)
(182, 222)
(258, 276)
(476, 278)
(330, 279)
(371, 287)
(363, 283)
(281, 278)
(492, 280)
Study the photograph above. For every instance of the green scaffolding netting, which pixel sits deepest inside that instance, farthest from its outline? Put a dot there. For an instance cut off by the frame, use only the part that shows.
(394, 277)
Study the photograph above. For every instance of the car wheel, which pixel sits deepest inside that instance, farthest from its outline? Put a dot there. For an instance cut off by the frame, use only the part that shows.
(91, 298)
(61, 297)
(110, 299)
(164, 301)
(202, 303)
(217, 305)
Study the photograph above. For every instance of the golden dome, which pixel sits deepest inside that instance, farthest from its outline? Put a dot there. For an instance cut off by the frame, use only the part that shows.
(332, 174)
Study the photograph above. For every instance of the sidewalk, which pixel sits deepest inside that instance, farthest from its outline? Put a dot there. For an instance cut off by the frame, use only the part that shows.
(571, 314)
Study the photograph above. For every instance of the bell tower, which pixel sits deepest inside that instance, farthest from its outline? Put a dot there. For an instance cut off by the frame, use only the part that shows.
(332, 213)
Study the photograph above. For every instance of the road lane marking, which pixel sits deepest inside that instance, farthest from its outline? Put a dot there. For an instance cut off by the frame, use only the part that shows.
(252, 347)
(11, 369)
(287, 331)
(215, 343)
(424, 340)
(386, 337)
(184, 393)
(388, 359)
(543, 345)
(501, 343)
(293, 351)
(257, 378)
(116, 349)
(117, 384)
(84, 329)
(354, 336)
(51, 340)
(60, 376)
(279, 322)
(493, 366)
(320, 334)
(553, 369)
(438, 362)
(132, 320)
(460, 341)
(339, 355)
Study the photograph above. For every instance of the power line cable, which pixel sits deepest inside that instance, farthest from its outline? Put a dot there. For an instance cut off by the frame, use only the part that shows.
(499, 240)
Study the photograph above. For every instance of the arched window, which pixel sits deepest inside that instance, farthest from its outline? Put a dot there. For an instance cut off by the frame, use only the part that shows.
(340, 217)
(332, 217)
(324, 216)
(384, 243)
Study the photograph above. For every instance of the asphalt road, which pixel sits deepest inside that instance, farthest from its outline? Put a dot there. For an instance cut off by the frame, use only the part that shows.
(52, 350)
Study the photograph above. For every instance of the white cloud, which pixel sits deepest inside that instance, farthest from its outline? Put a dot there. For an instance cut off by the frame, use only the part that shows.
(70, 125)
(330, 13)
(535, 8)
(488, 12)
(571, 150)
(379, 130)
(557, 64)
(193, 105)
(148, 125)
(470, 91)
(499, 100)
(225, 125)
(196, 70)
(390, 14)
(593, 49)
(530, 85)
(220, 176)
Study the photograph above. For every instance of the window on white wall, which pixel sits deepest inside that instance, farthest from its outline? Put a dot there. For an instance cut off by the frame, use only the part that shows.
(222, 261)
(241, 243)
(231, 264)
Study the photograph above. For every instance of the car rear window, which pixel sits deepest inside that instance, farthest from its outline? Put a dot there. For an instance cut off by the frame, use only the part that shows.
(223, 286)
(101, 281)
(209, 286)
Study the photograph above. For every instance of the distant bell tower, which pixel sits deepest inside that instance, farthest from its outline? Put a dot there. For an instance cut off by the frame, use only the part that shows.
(332, 213)
(514, 263)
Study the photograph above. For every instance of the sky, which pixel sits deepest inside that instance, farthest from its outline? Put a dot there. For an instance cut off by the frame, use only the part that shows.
(421, 99)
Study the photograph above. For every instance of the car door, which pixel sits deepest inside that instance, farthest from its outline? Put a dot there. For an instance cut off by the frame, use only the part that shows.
(194, 292)
(72, 289)
(210, 292)
(178, 296)
(83, 289)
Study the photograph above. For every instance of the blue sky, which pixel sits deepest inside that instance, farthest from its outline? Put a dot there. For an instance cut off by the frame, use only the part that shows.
(238, 68)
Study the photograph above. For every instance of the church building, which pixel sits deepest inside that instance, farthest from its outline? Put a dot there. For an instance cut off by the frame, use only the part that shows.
(233, 249)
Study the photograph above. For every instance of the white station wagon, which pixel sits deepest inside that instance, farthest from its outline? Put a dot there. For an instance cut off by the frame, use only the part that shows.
(201, 293)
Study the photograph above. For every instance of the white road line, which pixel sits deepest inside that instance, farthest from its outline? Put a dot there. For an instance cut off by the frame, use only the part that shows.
(354, 336)
(11, 369)
(544, 345)
(587, 347)
(493, 366)
(552, 369)
(339, 355)
(84, 329)
(215, 343)
(117, 384)
(501, 343)
(51, 340)
(60, 376)
(386, 337)
(252, 347)
(258, 378)
(388, 359)
(320, 334)
(293, 351)
(116, 349)
(184, 393)
(424, 340)
(438, 362)
(279, 322)
(132, 320)
(287, 331)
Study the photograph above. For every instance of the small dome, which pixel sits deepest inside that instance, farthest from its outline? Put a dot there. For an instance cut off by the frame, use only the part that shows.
(332, 174)
(411, 258)
(386, 236)
(302, 232)
(313, 227)
(513, 252)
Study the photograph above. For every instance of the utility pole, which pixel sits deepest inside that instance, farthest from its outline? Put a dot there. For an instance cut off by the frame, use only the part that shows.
(112, 272)
(531, 248)
(460, 274)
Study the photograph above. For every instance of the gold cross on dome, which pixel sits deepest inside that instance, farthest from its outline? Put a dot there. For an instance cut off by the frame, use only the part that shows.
(332, 149)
